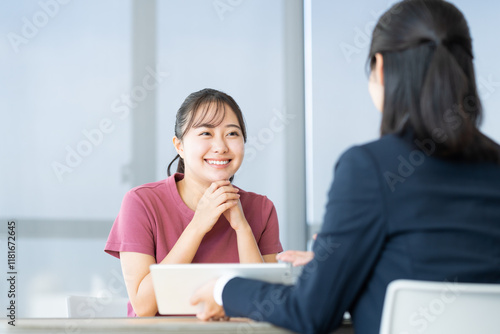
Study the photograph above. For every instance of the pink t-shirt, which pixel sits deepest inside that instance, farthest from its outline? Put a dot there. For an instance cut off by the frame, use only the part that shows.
(153, 216)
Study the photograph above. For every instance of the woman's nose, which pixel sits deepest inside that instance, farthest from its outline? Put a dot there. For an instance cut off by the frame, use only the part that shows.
(219, 145)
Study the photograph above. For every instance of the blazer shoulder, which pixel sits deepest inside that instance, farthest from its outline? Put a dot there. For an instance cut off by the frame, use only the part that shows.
(388, 142)
(385, 147)
(373, 148)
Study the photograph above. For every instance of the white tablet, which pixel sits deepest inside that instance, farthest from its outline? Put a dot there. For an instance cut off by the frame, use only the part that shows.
(174, 284)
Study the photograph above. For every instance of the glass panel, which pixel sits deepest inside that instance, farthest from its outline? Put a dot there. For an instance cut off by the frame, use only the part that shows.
(65, 66)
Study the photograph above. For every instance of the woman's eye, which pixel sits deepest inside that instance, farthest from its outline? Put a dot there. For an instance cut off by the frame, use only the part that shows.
(205, 134)
(233, 134)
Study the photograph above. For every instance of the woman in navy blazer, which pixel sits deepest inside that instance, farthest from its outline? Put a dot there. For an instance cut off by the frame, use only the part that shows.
(422, 202)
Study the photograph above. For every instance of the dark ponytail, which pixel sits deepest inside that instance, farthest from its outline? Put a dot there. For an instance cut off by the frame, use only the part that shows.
(429, 81)
(180, 165)
(194, 111)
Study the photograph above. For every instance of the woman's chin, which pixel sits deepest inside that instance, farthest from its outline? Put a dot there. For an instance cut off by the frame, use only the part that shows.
(220, 176)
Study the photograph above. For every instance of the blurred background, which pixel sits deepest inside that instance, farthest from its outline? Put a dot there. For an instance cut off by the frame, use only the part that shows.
(89, 92)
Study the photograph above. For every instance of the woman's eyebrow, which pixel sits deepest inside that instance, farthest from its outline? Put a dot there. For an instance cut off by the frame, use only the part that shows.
(211, 126)
(204, 125)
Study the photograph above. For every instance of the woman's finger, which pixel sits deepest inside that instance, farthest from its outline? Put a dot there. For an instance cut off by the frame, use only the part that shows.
(226, 206)
(228, 197)
(214, 186)
(225, 190)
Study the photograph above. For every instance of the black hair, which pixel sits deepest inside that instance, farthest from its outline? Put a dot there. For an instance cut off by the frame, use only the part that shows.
(194, 112)
(429, 79)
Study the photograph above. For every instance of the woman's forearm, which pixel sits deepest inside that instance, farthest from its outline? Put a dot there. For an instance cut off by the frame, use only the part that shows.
(186, 246)
(248, 250)
(184, 250)
(144, 303)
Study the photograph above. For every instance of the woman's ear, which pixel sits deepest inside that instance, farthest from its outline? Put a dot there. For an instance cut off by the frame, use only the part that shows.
(379, 69)
(178, 146)
(376, 82)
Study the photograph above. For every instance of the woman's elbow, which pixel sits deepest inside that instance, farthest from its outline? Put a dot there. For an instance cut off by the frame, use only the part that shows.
(144, 314)
(144, 310)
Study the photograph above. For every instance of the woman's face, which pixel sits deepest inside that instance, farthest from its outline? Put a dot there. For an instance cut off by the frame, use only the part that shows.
(213, 153)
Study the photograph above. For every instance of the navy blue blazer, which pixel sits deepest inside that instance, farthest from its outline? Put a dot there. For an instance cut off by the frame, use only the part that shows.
(394, 211)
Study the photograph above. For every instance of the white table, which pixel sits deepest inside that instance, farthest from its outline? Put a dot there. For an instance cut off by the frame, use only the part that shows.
(137, 325)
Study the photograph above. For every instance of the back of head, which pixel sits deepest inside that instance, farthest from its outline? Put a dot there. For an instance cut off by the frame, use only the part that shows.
(429, 82)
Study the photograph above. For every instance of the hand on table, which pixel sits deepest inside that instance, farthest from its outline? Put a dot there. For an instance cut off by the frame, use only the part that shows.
(296, 258)
(211, 310)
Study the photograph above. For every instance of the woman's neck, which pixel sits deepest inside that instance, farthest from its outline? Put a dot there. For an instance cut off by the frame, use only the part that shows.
(191, 191)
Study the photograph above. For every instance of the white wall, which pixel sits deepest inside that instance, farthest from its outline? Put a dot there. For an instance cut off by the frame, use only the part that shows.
(63, 65)
(57, 83)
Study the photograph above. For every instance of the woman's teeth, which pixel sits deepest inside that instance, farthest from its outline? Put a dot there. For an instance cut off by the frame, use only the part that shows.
(215, 162)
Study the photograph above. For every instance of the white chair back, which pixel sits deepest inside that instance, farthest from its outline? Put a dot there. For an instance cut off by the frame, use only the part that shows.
(86, 307)
(421, 307)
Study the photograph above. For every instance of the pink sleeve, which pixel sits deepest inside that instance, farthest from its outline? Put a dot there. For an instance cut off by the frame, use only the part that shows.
(269, 242)
(133, 228)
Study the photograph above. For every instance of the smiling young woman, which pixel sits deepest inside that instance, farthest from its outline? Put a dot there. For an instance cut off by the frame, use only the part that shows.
(195, 215)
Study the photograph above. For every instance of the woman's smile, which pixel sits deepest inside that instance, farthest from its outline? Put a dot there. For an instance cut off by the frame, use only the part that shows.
(218, 163)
